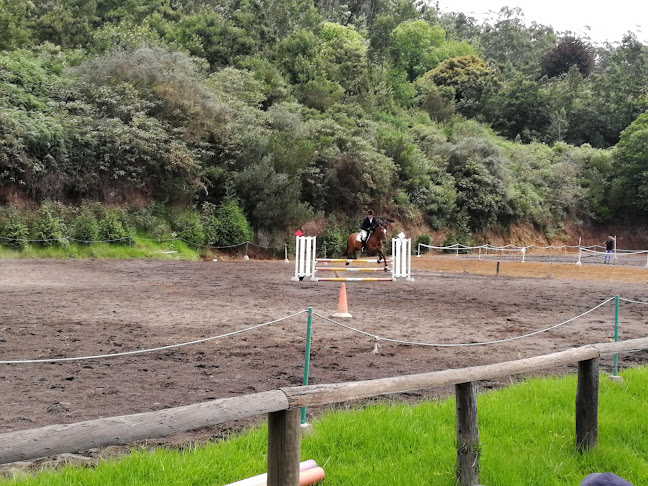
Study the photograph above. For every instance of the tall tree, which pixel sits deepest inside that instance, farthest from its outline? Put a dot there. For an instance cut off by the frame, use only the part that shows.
(14, 30)
(569, 52)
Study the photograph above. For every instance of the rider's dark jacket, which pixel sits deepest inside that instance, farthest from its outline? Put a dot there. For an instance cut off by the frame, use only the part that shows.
(368, 224)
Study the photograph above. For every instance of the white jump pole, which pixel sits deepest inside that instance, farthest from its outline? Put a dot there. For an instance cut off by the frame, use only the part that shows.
(580, 251)
(523, 250)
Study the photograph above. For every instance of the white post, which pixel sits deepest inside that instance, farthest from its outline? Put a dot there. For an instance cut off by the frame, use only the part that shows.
(580, 250)
(418, 251)
(615, 248)
(286, 253)
(305, 249)
(402, 257)
(246, 257)
(523, 254)
(479, 258)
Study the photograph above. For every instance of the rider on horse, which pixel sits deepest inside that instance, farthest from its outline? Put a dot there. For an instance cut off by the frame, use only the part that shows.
(366, 227)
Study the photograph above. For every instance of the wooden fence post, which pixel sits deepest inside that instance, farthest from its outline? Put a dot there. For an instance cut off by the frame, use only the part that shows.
(467, 435)
(587, 392)
(283, 448)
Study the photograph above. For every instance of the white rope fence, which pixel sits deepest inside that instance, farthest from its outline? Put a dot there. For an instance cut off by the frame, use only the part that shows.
(378, 338)
(150, 350)
(588, 253)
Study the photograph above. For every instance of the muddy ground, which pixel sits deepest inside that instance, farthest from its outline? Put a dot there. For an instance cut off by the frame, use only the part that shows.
(55, 309)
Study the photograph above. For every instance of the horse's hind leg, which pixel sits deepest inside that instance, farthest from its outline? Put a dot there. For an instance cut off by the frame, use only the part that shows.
(382, 256)
(350, 254)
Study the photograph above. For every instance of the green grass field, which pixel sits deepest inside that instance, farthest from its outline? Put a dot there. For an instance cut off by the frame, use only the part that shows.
(140, 248)
(526, 438)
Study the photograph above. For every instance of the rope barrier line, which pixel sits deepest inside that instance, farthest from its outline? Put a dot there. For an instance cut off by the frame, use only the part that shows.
(161, 348)
(622, 254)
(456, 345)
(376, 337)
(633, 301)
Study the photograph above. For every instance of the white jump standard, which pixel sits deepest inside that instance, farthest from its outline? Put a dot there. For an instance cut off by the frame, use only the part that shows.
(306, 262)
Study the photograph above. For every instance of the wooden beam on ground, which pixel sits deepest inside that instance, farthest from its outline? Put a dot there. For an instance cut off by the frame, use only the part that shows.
(55, 439)
(310, 395)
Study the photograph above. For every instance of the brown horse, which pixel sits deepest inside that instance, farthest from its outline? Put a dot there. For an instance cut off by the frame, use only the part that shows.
(373, 246)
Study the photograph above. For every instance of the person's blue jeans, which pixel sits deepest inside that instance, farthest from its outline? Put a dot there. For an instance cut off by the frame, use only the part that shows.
(608, 256)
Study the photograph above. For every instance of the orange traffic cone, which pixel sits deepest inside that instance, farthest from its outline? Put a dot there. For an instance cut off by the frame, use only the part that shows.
(342, 309)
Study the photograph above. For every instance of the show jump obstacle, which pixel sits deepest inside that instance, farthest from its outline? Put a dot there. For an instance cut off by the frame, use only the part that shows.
(306, 262)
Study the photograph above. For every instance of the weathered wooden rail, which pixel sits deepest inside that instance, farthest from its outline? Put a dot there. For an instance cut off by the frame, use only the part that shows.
(282, 407)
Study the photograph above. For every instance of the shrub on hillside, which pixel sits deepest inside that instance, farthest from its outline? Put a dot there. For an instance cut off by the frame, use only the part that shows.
(112, 227)
(422, 239)
(187, 225)
(47, 226)
(13, 229)
(226, 225)
(85, 226)
(459, 232)
(335, 241)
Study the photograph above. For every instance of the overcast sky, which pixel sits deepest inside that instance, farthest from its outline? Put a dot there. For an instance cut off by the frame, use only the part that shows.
(606, 20)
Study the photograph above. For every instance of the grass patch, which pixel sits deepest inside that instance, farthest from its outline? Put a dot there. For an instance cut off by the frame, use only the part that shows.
(527, 438)
(139, 248)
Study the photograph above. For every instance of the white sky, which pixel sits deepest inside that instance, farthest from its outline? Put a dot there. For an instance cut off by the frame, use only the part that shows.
(606, 20)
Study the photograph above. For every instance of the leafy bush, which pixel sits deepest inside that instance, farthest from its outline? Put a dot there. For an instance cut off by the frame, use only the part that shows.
(13, 227)
(335, 241)
(459, 232)
(85, 226)
(187, 225)
(47, 227)
(112, 227)
(422, 239)
(226, 225)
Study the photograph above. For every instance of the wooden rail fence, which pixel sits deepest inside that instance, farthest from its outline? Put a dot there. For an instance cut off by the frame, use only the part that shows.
(282, 407)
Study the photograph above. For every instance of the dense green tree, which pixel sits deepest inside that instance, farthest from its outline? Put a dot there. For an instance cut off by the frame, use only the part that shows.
(344, 56)
(480, 174)
(14, 27)
(519, 109)
(507, 40)
(466, 75)
(298, 54)
(208, 35)
(633, 167)
(413, 42)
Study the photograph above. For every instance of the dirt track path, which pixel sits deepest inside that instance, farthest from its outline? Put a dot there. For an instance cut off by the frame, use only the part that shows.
(79, 308)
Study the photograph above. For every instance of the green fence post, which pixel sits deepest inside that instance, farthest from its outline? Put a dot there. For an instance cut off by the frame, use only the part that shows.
(307, 357)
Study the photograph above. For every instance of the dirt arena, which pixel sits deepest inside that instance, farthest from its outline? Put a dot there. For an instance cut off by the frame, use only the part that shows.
(57, 309)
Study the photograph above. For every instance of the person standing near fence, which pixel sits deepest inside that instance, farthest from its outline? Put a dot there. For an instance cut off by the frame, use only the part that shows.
(609, 248)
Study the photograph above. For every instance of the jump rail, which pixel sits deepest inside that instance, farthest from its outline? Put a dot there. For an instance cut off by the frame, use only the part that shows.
(306, 262)
(282, 407)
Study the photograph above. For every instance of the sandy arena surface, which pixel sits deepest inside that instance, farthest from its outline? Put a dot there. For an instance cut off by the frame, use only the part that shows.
(56, 309)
